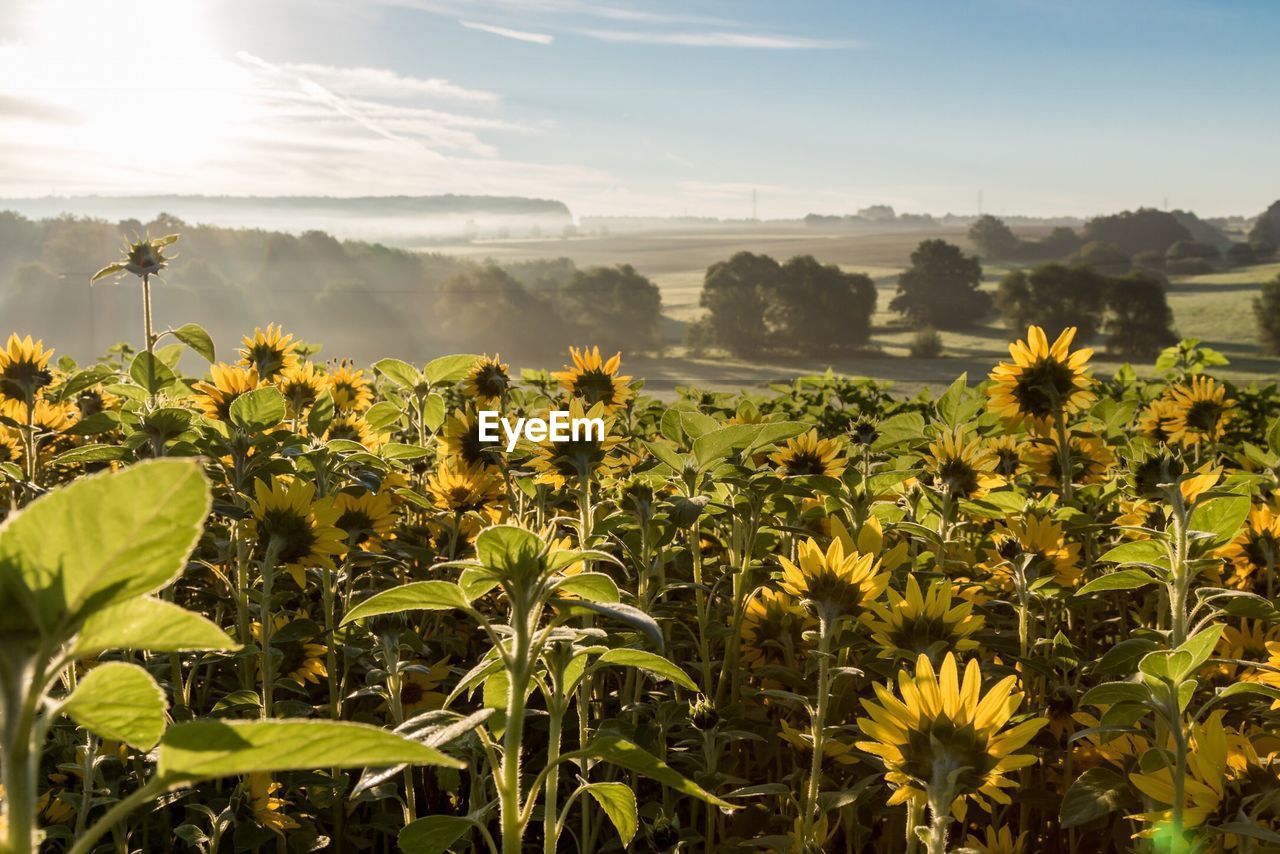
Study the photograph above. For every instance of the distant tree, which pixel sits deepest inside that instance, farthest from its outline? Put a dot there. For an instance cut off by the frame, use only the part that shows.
(1139, 321)
(993, 238)
(1106, 257)
(1054, 296)
(735, 294)
(819, 308)
(1150, 260)
(1264, 236)
(1187, 249)
(1241, 255)
(941, 287)
(1059, 243)
(1266, 310)
(487, 306)
(1137, 231)
(614, 306)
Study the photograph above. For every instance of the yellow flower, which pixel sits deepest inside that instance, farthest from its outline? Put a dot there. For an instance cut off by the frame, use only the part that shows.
(462, 488)
(833, 582)
(301, 661)
(488, 380)
(1114, 748)
(808, 454)
(1040, 537)
(225, 384)
(942, 726)
(351, 427)
(773, 626)
(24, 369)
(1091, 460)
(1246, 642)
(367, 519)
(961, 467)
(1272, 677)
(269, 352)
(1042, 381)
(301, 384)
(1200, 412)
(460, 440)
(350, 390)
(1203, 786)
(1009, 452)
(915, 623)
(1156, 417)
(595, 380)
(871, 540)
(301, 527)
(45, 416)
(10, 445)
(268, 810)
(1254, 554)
(833, 749)
(419, 689)
(997, 841)
(567, 463)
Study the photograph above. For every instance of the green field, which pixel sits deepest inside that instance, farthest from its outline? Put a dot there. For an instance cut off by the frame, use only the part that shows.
(1215, 308)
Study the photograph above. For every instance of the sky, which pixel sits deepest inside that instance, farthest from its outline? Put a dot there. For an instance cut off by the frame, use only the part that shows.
(668, 107)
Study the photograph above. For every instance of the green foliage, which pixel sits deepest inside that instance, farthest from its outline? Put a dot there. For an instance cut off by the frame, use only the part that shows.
(1054, 296)
(1266, 311)
(1137, 231)
(993, 238)
(941, 287)
(1139, 321)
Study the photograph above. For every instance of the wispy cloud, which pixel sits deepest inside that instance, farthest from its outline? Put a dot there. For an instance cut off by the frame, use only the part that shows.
(384, 83)
(692, 38)
(508, 33)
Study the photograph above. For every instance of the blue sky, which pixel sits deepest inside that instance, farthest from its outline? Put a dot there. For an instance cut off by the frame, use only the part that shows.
(652, 107)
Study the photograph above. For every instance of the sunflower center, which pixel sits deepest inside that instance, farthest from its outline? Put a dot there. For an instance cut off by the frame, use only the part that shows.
(917, 634)
(294, 534)
(1044, 387)
(938, 747)
(20, 379)
(1262, 548)
(411, 693)
(958, 477)
(805, 462)
(357, 524)
(1203, 416)
(595, 386)
(491, 381)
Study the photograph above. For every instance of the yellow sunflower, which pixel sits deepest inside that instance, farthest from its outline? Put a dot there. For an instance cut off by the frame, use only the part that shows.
(833, 749)
(420, 687)
(270, 352)
(351, 427)
(944, 726)
(773, 627)
(567, 463)
(808, 454)
(459, 439)
(918, 623)
(24, 369)
(595, 380)
(301, 661)
(301, 384)
(1156, 417)
(488, 380)
(1200, 412)
(961, 467)
(997, 841)
(288, 514)
(1254, 554)
(367, 519)
(1009, 452)
(1091, 460)
(226, 383)
(351, 391)
(1043, 380)
(1246, 642)
(45, 416)
(834, 583)
(10, 445)
(1203, 786)
(462, 488)
(268, 810)
(1038, 536)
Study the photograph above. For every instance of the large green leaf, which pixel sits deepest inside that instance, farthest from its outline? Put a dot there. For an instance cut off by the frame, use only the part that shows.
(595, 586)
(618, 751)
(433, 834)
(195, 337)
(720, 443)
(1096, 793)
(649, 662)
(160, 376)
(153, 624)
(100, 540)
(619, 803)
(1221, 517)
(119, 701)
(206, 749)
(1121, 579)
(399, 372)
(449, 369)
(258, 410)
(416, 596)
(509, 550)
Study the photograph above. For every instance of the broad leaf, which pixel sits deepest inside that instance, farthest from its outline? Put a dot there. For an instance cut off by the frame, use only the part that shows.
(119, 701)
(593, 586)
(650, 663)
(415, 596)
(1096, 793)
(618, 751)
(1121, 579)
(258, 410)
(449, 369)
(619, 803)
(151, 624)
(160, 376)
(401, 373)
(195, 337)
(433, 834)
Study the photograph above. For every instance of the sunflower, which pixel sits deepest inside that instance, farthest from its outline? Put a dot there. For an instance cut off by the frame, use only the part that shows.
(225, 384)
(1156, 417)
(268, 810)
(420, 688)
(301, 527)
(961, 467)
(773, 627)
(141, 258)
(945, 728)
(918, 623)
(1254, 554)
(351, 427)
(1009, 452)
(270, 352)
(595, 380)
(460, 440)
(567, 463)
(462, 488)
(1246, 642)
(1203, 786)
(367, 519)
(350, 390)
(1091, 460)
(46, 416)
(834, 583)
(1042, 381)
(301, 661)
(488, 380)
(1200, 410)
(1042, 539)
(808, 454)
(301, 383)
(996, 841)
(93, 401)
(24, 369)
(10, 445)
(833, 749)
(1094, 747)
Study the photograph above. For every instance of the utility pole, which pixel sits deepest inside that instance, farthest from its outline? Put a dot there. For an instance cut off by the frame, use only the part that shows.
(753, 205)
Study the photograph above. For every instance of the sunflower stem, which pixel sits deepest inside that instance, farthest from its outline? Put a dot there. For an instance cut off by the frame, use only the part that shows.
(819, 725)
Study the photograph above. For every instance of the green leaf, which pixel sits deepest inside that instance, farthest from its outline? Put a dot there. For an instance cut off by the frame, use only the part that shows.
(433, 411)
(258, 410)
(619, 803)
(91, 454)
(1221, 517)
(415, 596)
(1172, 665)
(433, 834)
(100, 540)
(628, 614)
(593, 586)
(774, 432)
(720, 443)
(449, 369)
(383, 415)
(650, 663)
(1200, 646)
(401, 373)
(1095, 794)
(1123, 658)
(151, 624)
(695, 424)
(1253, 688)
(1121, 579)
(666, 454)
(117, 267)
(400, 451)
(119, 701)
(321, 415)
(161, 374)
(207, 749)
(509, 551)
(618, 751)
(195, 337)
(1110, 693)
(1137, 551)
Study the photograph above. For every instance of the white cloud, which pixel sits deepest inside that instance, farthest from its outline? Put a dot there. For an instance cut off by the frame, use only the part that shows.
(505, 32)
(383, 83)
(692, 38)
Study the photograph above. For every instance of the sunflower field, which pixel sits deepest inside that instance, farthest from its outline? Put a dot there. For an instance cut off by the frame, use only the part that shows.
(294, 605)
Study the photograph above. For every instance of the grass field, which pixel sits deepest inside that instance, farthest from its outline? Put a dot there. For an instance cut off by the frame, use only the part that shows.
(1215, 308)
